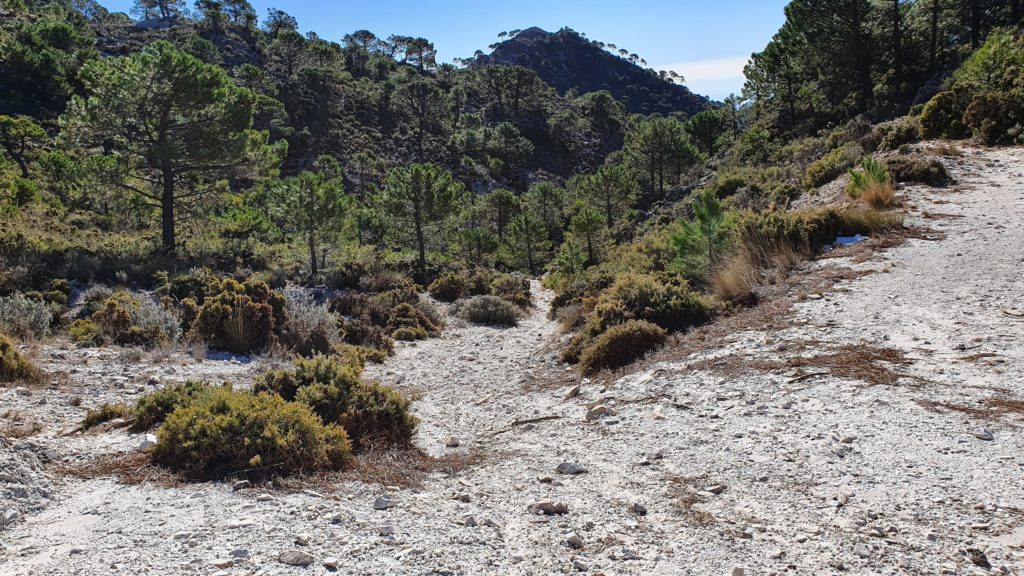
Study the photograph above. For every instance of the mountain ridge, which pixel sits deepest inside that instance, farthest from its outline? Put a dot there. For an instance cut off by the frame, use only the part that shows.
(568, 61)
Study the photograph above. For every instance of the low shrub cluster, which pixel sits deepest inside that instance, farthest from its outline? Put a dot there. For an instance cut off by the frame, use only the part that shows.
(104, 414)
(127, 320)
(25, 317)
(621, 345)
(227, 432)
(448, 287)
(239, 317)
(638, 300)
(917, 169)
(452, 286)
(310, 328)
(489, 311)
(985, 97)
(13, 365)
(297, 420)
(408, 322)
(832, 165)
(897, 133)
(333, 388)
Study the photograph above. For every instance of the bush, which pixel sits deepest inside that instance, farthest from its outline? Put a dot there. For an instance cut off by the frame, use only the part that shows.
(378, 415)
(333, 388)
(362, 332)
(448, 287)
(86, 332)
(997, 117)
(899, 132)
(24, 317)
(672, 306)
(408, 322)
(93, 298)
(489, 310)
(240, 317)
(917, 169)
(126, 320)
(872, 184)
(311, 328)
(512, 287)
(231, 432)
(942, 117)
(621, 345)
(831, 165)
(153, 408)
(104, 414)
(14, 366)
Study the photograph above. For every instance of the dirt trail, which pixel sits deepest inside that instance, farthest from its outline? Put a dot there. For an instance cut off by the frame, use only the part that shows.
(784, 458)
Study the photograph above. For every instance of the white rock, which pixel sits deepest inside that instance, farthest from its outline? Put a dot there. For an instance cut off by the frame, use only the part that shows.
(295, 558)
(331, 563)
(148, 441)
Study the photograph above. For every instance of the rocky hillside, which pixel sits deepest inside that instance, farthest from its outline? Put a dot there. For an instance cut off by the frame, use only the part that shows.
(568, 61)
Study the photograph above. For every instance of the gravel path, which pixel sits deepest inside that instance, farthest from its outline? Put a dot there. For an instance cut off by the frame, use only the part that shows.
(794, 453)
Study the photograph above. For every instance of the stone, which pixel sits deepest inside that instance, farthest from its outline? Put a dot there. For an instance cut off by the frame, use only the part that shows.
(451, 442)
(574, 541)
(738, 571)
(264, 498)
(469, 522)
(386, 531)
(331, 563)
(461, 497)
(572, 393)
(597, 412)
(382, 502)
(638, 509)
(570, 468)
(339, 518)
(295, 558)
(148, 441)
(716, 489)
(240, 485)
(240, 553)
(983, 434)
(222, 563)
(862, 551)
(302, 540)
(548, 507)
(580, 566)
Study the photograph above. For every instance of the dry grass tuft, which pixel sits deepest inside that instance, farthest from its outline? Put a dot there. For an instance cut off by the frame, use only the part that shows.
(129, 467)
(880, 195)
(990, 409)
(948, 150)
(683, 489)
(15, 424)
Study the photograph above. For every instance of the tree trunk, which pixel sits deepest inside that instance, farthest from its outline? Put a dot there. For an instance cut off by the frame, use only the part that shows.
(312, 255)
(421, 244)
(167, 210)
(21, 164)
(934, 44)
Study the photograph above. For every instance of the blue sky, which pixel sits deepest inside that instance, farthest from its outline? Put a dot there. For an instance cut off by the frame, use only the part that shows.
(708, 42)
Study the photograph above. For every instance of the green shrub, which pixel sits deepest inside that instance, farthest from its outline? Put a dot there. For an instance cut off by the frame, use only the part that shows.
(363, 353)
(671, 305)
(340, 372)
(378, 415)
(917, 169)
(997, 117)
(126, 320)
(25, 317)
(240, 317)
(899, 133)
(85, 331)
(332, 387)
(448, 287)
(872, 184)
(231, 432)
(831, 165)
(406, 320)
(13, 365)
(153, 408)
(489, 310)
(362, 332)
(942, 117)
(104, 414)
(621, 345)
(512, 287)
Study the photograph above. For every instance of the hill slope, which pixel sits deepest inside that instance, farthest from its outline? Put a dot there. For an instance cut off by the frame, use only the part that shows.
(566, 60)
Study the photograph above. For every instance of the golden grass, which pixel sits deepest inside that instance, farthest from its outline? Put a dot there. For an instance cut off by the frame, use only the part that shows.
(880, 195)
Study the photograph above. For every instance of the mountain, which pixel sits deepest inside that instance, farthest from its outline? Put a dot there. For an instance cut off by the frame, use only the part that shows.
(568, 61)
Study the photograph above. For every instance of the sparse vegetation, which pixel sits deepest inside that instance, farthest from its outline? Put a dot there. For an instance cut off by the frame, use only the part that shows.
(105, 413)
(231, 432)
(873, 185)
(621, 345)
(13, 365)
(489, 310)
(917, 169)
(25, 317)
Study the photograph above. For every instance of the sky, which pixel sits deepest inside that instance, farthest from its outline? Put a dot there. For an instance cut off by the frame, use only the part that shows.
(707, 42)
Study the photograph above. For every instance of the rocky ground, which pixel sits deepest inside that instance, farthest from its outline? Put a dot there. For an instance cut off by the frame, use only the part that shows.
(875, 428)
